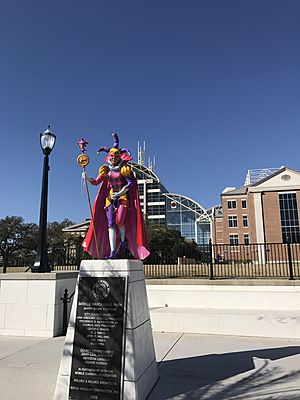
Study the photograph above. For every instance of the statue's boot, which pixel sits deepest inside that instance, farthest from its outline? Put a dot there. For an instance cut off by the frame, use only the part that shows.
(112, 242)
(123, 247)
(112, 255)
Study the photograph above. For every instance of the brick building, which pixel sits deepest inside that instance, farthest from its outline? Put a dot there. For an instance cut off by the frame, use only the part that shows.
(265, 210)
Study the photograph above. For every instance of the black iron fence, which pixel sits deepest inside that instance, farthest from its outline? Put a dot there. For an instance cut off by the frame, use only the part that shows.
(66, 257)
(275, 260)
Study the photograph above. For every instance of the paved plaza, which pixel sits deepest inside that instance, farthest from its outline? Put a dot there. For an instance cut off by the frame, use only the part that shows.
(190, 367)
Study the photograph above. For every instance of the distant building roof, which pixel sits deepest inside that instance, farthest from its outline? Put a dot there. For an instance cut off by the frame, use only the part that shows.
(256, 175)
(218, 211)
(241, 190)
(229, 189)
(253, 178)
(82, 227)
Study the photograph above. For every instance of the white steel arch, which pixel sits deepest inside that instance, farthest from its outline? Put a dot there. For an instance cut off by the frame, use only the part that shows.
(144, 170)
(190, 205)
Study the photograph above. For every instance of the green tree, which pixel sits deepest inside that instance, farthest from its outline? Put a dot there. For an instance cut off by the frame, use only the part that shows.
(63, 248)
(27, 251)
(16, 239)
(165, 244)
(56, 236)
(161, 235)
(168, 244)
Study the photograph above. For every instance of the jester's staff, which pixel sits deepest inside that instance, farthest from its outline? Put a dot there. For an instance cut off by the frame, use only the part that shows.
(83, 160)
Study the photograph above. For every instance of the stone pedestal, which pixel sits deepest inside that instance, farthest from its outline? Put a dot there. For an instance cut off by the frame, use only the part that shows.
(138, 371)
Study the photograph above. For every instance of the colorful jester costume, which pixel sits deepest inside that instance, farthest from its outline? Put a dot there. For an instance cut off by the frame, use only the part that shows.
(117, 218)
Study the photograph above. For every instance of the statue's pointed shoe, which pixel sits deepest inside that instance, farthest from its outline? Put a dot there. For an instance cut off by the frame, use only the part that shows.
(123, 247)
(112, 255)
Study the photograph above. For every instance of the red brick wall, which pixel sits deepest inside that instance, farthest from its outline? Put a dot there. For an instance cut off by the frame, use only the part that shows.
(271, 218)
(218, 230)
(239, 212)
(251, 213)
(271, 215)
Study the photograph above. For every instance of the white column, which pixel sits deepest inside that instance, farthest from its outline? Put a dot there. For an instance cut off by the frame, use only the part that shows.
(145, 198)
(259, 225)
(196, 231)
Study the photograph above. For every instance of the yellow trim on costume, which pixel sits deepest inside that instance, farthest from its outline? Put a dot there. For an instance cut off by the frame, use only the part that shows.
(114, 150)
(122, 199)
(103, 170)
(126, 170)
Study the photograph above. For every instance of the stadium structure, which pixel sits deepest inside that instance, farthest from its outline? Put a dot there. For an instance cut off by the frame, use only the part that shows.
(174, 210)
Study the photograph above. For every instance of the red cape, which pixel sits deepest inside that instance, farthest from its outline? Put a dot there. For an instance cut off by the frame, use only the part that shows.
(136, 234)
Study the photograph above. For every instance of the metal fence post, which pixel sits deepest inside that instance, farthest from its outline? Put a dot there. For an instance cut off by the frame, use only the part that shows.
(65, 300)
(290, 259)
(78, 255)
(211, 260)
(51, 259)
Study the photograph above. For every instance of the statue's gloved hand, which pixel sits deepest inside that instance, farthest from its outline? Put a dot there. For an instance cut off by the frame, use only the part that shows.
(120, 193)
(115, 195)
(84, 175)
(91, 180)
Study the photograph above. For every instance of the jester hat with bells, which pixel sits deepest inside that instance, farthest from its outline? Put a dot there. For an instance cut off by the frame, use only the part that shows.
(124, 153)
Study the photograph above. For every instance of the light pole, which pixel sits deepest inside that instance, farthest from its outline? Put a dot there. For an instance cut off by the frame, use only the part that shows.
(47, 139)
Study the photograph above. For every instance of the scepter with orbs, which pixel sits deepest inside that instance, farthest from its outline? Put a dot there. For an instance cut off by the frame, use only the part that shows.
(83, 160)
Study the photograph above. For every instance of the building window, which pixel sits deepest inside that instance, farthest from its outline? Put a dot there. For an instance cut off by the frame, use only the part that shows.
(234, 239)
(244, 203)
(155, 196)
(231, 204)
(245, 221)
(141, 190)
(246, 239)
(289, 217)
(232, 221)
(155, 210)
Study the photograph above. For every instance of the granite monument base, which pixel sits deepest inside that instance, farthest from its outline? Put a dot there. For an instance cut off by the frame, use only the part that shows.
(108, 352)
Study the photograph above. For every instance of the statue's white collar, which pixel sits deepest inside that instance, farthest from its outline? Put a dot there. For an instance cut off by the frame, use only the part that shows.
(115, 167)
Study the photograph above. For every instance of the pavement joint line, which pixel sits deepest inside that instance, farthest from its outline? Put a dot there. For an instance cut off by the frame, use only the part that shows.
(171, 348)
(24, 349)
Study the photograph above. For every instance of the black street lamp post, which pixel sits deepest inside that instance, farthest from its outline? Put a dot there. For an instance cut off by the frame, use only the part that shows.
(47, 139)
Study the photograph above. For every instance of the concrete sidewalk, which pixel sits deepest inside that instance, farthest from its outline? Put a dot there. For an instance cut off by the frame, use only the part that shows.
(190, 367)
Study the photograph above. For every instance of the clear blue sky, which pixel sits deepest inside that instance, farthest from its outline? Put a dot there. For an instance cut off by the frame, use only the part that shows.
(212, 86)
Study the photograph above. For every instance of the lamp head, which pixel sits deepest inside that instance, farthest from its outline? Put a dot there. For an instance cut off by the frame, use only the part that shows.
(47, 139)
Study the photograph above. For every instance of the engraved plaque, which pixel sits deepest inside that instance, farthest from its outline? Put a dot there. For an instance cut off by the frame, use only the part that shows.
(98, 350)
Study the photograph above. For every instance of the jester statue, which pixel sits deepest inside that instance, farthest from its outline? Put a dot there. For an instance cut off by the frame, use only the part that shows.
(117, 222)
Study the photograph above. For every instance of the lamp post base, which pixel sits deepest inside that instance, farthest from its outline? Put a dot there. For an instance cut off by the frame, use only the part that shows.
(39, 267)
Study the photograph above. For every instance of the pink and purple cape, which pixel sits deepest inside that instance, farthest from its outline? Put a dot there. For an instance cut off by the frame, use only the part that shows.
(136, 235)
